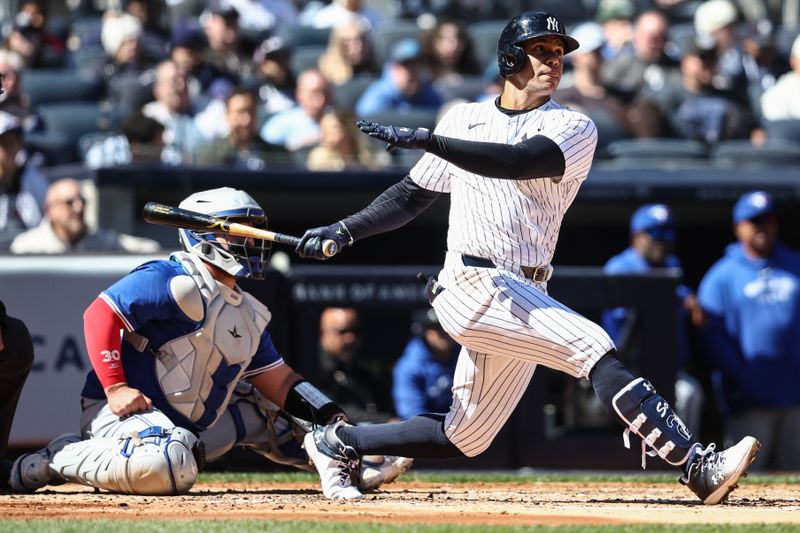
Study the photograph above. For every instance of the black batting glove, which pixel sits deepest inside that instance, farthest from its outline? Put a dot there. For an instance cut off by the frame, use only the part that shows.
(311, 241)
(396, 137)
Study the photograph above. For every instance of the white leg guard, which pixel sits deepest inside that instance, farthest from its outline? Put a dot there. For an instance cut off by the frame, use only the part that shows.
(648, 415)
(32, 471)
(155, 461)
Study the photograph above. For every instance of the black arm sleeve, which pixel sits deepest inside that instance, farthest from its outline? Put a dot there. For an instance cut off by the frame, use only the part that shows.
(395, 207)
(537, 157)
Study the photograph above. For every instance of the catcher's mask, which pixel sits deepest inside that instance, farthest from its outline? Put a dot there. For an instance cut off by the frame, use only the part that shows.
(243, 257)
(510, 56)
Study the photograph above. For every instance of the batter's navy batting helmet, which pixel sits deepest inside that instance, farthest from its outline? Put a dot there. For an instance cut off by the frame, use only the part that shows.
(510, 56)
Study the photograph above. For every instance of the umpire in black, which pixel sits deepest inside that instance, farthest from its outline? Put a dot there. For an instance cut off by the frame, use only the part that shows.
(16, 359)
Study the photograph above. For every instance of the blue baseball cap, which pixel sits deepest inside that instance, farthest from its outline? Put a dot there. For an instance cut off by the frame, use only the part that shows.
(406, 50)
(655, 219)
(752, 205)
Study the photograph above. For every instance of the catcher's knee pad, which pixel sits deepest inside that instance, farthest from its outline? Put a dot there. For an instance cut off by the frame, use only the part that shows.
(155, 461)
(649, 416)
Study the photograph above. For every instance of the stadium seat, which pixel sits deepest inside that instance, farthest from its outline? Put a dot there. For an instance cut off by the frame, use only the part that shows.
(409, 118)
(74, 119)
(387, 36)
(88, 59)
(743, 153)
(405, 159)
(466, 88)
(56, 148)
(45, 86)
(786, 130)
(305, 57)
(484, 37)
(608, 130)
(784, 38)
(656, 149)
(347, 94)
(87, 30)
(297, 36)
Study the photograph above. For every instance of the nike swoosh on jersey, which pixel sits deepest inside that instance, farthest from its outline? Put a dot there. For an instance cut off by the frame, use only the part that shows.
(470, 126)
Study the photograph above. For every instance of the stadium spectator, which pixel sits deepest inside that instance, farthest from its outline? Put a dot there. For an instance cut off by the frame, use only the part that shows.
(763, 64)
(188, 43)
(616, 18)
(125, 63)
(586, 92)
(462, 10)
(752, 299)
(224, 53)
(423, 375)
(652, 243)
(265, 16)
(695, 108)
(403, 84)
(16, 359)
(647, 63)
(715, 22)
(448, 52)
(344, 373)
(154, 38)
(120, 38)
(64, 229)
(340, 147)
(13, 100)
(210, 119)
(29, 37)
(339, 12)
(274, 79)
(782, 101)
(298, 127)
(172, 108)
(241, 148)
(349, 53)
(22, 185)
(141, 141)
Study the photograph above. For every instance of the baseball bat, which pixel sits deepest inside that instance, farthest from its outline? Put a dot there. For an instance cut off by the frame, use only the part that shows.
(167, 215)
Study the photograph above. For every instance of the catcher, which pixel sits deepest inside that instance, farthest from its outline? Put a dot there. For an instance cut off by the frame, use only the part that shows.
(185, 369)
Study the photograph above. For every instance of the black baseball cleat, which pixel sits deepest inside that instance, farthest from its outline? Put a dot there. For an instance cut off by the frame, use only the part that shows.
(713, 475)
(335, 462)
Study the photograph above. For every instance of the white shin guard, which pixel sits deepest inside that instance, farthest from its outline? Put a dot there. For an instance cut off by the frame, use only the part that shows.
(155, 461)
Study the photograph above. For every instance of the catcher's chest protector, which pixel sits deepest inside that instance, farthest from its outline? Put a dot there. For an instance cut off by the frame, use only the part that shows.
(198, 371)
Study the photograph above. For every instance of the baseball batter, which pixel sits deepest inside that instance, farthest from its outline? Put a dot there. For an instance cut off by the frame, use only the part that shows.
(193, 373)
(512, 167)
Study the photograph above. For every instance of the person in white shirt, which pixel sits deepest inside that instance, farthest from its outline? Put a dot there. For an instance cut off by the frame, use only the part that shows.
(780, 101)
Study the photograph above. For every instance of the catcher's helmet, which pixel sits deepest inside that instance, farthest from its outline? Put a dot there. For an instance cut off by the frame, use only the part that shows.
(510, 56)
(243, 258)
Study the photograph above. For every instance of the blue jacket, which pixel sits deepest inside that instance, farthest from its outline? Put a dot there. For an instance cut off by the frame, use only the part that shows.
(630, 262)
(422, 384)
(753, 335)
(382, 95)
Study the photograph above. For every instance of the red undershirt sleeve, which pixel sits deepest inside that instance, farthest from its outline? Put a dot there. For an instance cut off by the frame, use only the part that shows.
(101, 329)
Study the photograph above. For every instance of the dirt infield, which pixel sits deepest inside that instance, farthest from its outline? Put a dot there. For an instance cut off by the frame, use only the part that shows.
(406, 502)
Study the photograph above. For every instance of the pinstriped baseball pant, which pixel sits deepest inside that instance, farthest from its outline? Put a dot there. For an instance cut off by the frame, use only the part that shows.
(507, 325)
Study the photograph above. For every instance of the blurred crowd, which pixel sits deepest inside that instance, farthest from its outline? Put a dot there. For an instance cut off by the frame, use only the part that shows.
(269, 84)
(256, 83)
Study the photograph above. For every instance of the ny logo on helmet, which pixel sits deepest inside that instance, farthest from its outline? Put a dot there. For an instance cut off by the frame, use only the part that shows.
(552, 24)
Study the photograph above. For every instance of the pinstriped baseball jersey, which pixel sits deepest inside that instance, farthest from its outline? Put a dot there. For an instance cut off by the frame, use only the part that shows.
(506, 323)
(515, 222)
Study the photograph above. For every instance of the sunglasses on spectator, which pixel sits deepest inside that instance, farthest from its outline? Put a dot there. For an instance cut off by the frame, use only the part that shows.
(345, 331)
(72, 200)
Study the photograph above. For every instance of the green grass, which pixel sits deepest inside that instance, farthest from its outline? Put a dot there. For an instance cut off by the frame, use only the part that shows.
(247, 526)
(479, 477)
